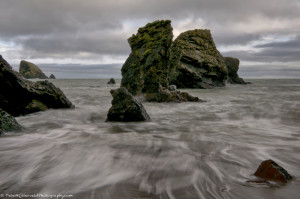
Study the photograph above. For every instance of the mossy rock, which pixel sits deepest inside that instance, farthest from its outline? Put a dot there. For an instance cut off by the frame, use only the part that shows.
(147, 65)
(8, 122)
(125, 108)
(195, 61)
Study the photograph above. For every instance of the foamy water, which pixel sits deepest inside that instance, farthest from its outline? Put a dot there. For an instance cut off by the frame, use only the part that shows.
(187, 150)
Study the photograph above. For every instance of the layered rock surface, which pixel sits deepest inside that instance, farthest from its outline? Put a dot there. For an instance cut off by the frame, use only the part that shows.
(232, 65)
(125, 108)
(195, 61)
(19, 96)
(30, 70)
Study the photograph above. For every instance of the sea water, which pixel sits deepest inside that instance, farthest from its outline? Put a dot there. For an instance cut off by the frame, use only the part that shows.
(188, 150)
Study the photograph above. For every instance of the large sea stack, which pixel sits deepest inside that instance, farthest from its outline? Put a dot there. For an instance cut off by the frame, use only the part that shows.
(232, 65)
(146, 69)
(31, 71)
(19, 96)
(195, 61)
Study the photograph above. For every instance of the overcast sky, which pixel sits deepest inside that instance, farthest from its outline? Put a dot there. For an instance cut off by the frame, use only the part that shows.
(88, 38)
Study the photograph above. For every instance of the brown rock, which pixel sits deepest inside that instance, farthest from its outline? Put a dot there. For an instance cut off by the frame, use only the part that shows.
(270, 170)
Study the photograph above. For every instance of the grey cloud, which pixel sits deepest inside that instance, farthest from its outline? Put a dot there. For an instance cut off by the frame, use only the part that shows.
(78, 70)
(58, 29)
(285, 51)
(294, 44)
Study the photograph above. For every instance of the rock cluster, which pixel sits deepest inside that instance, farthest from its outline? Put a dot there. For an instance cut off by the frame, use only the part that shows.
(8, 122)
(20, 96)
(31, 71)
(270, 170)
(155, 61)
(125, 108)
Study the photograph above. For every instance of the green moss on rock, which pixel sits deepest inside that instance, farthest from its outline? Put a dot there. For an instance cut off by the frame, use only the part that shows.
(195, 61)
(147, 65)
(125, 108)
(8, 122)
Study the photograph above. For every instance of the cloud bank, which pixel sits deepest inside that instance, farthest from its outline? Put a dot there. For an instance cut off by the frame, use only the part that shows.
(95, 32)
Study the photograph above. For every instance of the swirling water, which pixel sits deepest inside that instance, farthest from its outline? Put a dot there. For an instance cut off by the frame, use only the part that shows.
(187, 150)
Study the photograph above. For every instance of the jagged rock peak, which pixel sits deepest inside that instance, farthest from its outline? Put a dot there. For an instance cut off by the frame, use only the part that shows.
(146, 68)
(30, 70)
(195, 61)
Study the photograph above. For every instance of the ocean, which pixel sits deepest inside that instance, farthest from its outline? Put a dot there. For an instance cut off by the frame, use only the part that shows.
(187, 151)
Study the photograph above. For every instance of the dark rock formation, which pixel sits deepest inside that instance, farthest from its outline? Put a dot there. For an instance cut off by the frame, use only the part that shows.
(269, 170)
(195, 61)
(232, 65)
(8, 122)
(146, 67)
(166, 95)
(19, 96)
(111, 81)
(125, 108)
(52, 77)
(30, 70)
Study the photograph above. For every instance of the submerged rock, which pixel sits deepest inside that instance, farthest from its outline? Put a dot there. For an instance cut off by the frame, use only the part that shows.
(195, 61)
(166, 95)
(30, 70)
(125, 108)
(232, 65)
(111, 81)
(52, 76)
(8, 122)
(146, 67)
(20, 96)
(269, 170)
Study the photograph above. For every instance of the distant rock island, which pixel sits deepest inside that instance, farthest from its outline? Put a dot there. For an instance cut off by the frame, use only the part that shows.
(31, 71)
(111, 81)
(191, 61)
(52, 77)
